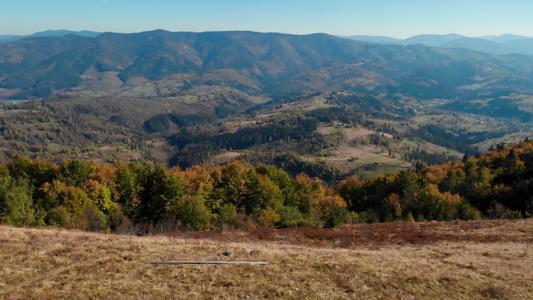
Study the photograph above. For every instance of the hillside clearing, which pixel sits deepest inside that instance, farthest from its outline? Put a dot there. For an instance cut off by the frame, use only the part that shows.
(432, 260)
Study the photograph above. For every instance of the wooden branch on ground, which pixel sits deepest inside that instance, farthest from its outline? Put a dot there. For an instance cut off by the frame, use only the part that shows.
(207, 262)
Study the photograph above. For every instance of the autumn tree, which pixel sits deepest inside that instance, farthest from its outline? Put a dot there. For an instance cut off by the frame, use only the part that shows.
(16, 203)
(235, 184)
(192, 213)
(305, 194)
(129, 186)
(336, 216)
(161, 191)
(36, 171)
(74, 172)
(430, 204)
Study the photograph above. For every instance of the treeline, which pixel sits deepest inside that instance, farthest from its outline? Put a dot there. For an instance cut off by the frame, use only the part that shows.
(427, 158)
(372, 106)
(162, 122)
(459, 142)
(278, 101)
(293, 164)
(496, 185)
(342, 115)
(79, 194)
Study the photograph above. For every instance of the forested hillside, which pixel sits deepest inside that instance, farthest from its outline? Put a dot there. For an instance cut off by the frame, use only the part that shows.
(184, 99)
(300, 133)
(134, 196)
(162, 63)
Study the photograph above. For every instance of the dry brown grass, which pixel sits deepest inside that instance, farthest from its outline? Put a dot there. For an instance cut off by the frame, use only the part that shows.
(433, 260)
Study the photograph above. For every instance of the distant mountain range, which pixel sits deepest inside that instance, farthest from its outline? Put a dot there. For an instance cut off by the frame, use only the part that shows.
(62, 32)
(504, 44)
(162, 63)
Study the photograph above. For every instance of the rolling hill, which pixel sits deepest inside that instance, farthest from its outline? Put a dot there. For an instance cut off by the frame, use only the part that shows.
(114, 64)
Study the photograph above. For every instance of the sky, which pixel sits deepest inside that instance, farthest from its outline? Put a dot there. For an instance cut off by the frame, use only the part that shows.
(394, 18)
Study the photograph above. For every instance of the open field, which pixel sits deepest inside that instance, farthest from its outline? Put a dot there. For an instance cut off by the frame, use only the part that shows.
(348, 157)
(457, 121)
(429, 260)
(223, 158)
(507, 139)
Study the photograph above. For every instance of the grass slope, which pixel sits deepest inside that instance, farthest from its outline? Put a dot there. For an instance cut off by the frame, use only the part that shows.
(463, 260)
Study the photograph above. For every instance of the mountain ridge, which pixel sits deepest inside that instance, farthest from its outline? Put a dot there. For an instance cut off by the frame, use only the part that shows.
(251, 62)
(48, 33)
(497, 45)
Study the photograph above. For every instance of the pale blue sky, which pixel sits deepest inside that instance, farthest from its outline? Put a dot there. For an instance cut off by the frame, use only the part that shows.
(396, 18)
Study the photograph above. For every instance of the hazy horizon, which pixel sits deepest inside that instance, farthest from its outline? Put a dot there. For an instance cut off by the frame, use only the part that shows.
(337, 17)
(340, 35)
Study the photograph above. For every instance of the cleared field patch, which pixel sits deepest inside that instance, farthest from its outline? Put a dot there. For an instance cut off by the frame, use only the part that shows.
(223, 158)
(507, 139)
(188, 99)
(54, 146)
(357, 133)
(525, 101)
(429, 147)
(345, 151)
(352, 134)
(457, 121)
(314, 103)
(108, 151)
(349, 158)
(234, 126)
(302, 105)
(325, 130)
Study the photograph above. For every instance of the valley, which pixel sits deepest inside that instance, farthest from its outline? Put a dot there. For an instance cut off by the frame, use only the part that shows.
(266, 150)
(352, 137)
(347, 114)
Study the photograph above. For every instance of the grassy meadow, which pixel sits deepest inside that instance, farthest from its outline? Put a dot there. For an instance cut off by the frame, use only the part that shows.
(427, 260)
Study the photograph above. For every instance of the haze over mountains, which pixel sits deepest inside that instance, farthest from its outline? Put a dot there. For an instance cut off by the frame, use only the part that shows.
(61, 32)
(504, 44)
(162, 63)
